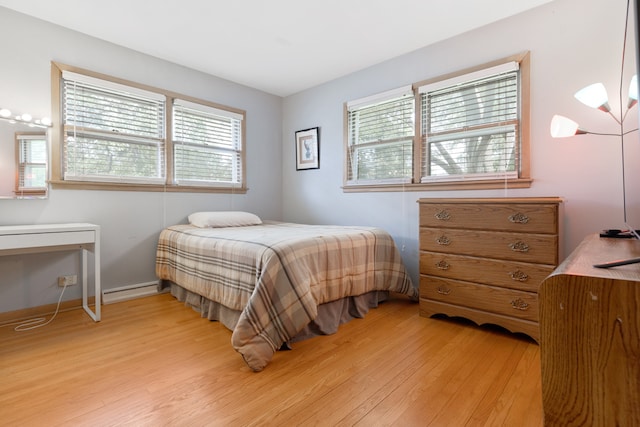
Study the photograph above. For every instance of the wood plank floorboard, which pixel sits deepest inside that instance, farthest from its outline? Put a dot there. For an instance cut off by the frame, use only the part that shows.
(154, 362)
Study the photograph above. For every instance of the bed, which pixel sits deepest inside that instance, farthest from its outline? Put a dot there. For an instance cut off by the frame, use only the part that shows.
(274, 283)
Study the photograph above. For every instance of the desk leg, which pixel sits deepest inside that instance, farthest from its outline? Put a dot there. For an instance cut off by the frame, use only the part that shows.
(85, 297)
(96, 276)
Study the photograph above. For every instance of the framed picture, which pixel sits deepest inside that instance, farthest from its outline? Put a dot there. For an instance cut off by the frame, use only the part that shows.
(308, 149)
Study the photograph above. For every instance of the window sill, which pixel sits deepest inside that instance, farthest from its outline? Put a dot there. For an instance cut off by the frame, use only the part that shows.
(111, 186)
(496, 184)
(30, 193)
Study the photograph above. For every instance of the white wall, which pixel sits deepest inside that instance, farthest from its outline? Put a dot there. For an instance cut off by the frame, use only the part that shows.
(130, 221)
(573, 43)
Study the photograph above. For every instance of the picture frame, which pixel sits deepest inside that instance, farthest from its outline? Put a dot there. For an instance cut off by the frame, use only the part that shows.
(308, 149)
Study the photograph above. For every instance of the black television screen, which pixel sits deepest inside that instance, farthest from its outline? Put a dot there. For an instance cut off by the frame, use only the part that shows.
(631, 139)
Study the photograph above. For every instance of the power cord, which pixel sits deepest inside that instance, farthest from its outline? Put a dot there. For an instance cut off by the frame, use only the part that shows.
(37, 322)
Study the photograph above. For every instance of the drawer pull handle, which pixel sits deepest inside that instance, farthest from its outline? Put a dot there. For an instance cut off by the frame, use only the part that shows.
(519, 218)
(519, 304)
(443, 290)
(443, 241)
(442, 265)
(519, 246)
(519, 276)
(443, 216)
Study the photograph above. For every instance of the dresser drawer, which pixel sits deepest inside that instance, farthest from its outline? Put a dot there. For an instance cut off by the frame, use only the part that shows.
(509, 274)
(526, 218)
(509, 302)
(533, 248)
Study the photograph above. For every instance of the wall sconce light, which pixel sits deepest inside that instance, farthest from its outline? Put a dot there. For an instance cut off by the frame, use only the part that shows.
(25, 118)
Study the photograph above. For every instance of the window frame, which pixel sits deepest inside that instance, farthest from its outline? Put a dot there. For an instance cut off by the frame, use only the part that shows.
(169, 185)
(400, 95)
(523, 179)
(212, 120)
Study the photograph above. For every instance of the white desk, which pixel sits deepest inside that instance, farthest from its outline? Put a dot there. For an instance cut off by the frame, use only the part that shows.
(21, 239)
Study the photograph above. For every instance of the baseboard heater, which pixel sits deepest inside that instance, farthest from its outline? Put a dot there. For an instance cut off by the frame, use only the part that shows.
(124, 293)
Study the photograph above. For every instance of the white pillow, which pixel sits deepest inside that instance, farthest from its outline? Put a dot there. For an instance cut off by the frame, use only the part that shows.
(223, 219)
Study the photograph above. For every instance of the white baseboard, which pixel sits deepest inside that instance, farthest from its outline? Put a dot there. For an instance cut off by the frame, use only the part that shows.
(124, 293)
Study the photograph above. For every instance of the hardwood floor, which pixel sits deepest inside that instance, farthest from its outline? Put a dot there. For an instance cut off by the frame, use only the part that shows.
(154, 362)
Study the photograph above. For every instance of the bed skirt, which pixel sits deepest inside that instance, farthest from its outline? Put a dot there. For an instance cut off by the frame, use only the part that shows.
(330, 315)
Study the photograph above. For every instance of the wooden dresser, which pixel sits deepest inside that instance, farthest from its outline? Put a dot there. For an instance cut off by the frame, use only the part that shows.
(484, 259)
(590, 337)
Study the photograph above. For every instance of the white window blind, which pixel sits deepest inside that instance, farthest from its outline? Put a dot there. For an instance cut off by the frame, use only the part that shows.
(32, 162)
(470, 126)
(207, 145)
(380, 138)
(113, 132)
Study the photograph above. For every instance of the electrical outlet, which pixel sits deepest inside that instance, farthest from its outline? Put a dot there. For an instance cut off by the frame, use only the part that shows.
(67, 280)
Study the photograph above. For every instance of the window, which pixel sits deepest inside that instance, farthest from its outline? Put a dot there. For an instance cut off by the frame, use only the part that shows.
(207, 144)
(31, 155)
(380, 138)
(114, 134)
(470, 130)
(470, 126)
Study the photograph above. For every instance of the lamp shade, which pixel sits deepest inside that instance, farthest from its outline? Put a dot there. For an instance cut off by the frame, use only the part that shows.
(563, 127)
(594, 96)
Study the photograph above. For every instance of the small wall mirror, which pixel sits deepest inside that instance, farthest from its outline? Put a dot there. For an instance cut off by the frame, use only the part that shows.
(24, 161)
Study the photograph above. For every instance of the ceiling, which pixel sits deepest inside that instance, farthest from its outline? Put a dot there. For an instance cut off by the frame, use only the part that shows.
(277, 46)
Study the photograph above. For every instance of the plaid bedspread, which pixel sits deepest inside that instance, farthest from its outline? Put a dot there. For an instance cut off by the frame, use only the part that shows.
(276, 274)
